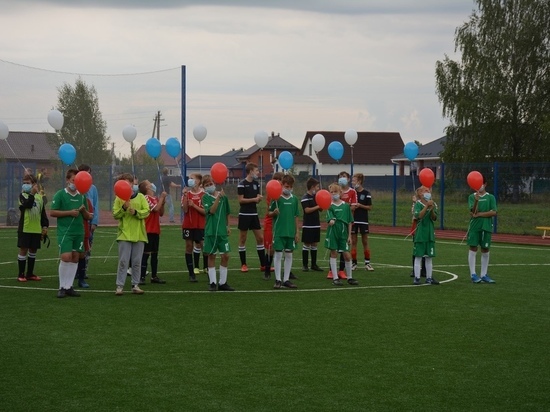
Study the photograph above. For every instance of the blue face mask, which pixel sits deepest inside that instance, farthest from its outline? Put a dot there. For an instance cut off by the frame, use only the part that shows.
(336, 197)
(191, 182)
(343, 181)
(26, 188)
(135, 188)
(72, 187)
(427, 196)
(287, 192)
(210, 189)
(153, 188)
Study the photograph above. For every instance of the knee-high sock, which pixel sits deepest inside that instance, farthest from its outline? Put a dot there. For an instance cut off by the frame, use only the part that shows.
(332, 262)
(31, 258)
(313, 255)
(305, 255)
(212, 275)
(342, 262)
(189, 262)
(67, 272)
(484, 263)
(429, 267)
(196, 256)
(154, 264)
(349, 273)
(472, 261)
(204, 261)
(21, 261)
(81, 269)
(417, 267)
(261, 254)
(277, 260)
(288, 265)
(144, 260)
(268, 262)
(242, 254)
(223, 275)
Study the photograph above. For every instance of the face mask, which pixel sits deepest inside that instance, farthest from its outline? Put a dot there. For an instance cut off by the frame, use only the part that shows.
(287, 192)
(343, 181)
(135, 188)
(482, 188)
(210, 189)
(255, 176)
(427, 196)
(72, 187)
(191, 183)
(313, 192)
(357, 186)
(26, 188)
(153, 188)
(336, 197)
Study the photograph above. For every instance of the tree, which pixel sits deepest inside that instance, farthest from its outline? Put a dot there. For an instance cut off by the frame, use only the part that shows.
(84, 126)
(498, 95)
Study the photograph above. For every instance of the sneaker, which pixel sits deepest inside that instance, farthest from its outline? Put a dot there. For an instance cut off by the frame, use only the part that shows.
(305, 269)
(61, 293)
(316, 268)
(137, 291)
(475, 278)
(353, 282)
(212, 287)
(71, 292)
(292, 276)
(431, 281)
(225, 287)
(33, 277)
(289, 285)
(244, 268)
(337, 282)
(196, 271)
(487, 279)
(329, 274)
(192, 278)
(142, 281)
(342, 275)
(416, 281)
(83, 285)
(21, 279)
(369, 267)
(353, 266)
(156, 279)
(278, 284)
(119, 291)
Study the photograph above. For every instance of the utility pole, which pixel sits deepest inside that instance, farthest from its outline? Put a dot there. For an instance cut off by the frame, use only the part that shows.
(156, 125)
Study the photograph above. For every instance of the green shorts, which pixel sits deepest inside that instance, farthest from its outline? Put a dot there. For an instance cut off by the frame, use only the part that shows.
(338, 243)
(213, 244)
(421, 249)
(71, 243)
(479, 237)
(283, 243)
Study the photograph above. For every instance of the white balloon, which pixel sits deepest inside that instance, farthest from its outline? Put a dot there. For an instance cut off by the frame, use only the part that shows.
(129, 133)
(318, 142)
(350, 136)
(55, 119)
(199, 132)
(261, 138)
(4, 131)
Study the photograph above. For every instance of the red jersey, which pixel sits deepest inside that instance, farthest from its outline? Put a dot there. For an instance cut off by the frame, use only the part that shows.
(349, 196)
(152, 222)
(192, 218)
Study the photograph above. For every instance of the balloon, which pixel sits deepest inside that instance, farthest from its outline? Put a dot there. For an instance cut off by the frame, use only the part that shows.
(426, 177)
(286, 160)
(67, 153)
(274, 188)
(199, 132)
(123, 190)
(336, 150)
(129, 133)
(475, 180)
(410, 151)
(323, 199)
(218, 171)
(83, 181)
(153, 147)
(4, 131)
(173, 147)
(261, 139)
(318, 142)
(55, 119)
(351, 137)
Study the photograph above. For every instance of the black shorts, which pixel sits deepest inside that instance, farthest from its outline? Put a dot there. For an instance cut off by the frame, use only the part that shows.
(152, 245)
(311, 235)
(249, 222)
(28, 240)
(196, 235)
(359, 228)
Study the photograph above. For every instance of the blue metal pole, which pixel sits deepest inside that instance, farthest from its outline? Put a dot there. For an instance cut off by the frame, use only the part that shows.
(394, 194)
(183, 125)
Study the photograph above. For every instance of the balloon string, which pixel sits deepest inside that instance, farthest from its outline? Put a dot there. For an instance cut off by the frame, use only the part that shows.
(8, 143)
(160, 176)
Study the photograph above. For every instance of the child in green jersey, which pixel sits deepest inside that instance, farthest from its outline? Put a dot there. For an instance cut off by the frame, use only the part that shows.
(216, 233)
(425, 213)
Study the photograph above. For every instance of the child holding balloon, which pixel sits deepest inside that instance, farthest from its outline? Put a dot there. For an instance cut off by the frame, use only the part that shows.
(193, 225)
(311, 226)
(425, 213)
(272, 192)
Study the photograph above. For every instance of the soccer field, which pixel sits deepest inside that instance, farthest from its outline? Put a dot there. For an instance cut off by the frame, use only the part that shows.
(382, 345)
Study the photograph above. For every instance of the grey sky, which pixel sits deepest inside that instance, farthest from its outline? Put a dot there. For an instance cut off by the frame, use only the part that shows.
(287, 66)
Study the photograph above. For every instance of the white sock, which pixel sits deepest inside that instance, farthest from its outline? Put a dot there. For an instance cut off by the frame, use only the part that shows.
(348, 269)
(417, 266)
(212, 275)
(277, 261)
(333, 268)
(472, 261)
(67, 272)
(429, 267)
(484, 263)
(223, 275)
(288, 265)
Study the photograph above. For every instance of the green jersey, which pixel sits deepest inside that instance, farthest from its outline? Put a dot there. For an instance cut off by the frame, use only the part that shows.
(425, 228)
(216, 223)
(33, 214)
(69, 225)
(342, 218)
(284, 224)
(486, 203)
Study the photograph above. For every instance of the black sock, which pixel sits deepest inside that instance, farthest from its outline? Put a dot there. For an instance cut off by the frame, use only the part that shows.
(268, 260)
(30, 264)
(342, 263)
(189, 262)
(81, 269)
(205, 261)
(144, 259)
(242, 255)
(313, 257)
(305, 256)
(196, 258)
(22, 263)
(154, 264)
(261, 255)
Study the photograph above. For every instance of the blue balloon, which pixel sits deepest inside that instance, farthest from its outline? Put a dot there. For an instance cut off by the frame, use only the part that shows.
(336, 150)
(153, 147)
(173, 147)
(67, 153)
(286, 160)
(410, 151)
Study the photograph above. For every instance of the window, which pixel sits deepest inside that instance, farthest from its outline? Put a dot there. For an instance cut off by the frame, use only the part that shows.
(310, 149)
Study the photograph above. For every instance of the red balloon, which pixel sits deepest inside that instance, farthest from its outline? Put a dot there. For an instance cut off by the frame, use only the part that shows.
(475, 180)
(218, 171)
(323, 199)
(427, 177)
(83, 181)
(274, 188)
(123, 190)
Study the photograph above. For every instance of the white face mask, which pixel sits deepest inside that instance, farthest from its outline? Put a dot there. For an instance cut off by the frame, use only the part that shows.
(427, 196)
(72, 187)
(135, 188)
(153, 188)
(335, 197)
(191, 183)
(287, 192)
(343, 181)
(210, 189)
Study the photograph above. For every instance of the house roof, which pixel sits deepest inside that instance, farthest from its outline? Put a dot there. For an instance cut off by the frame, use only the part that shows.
(27, 146)
(373, 148)
(274, 142)
(428, 151)
(167, 160)
(206, 162)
